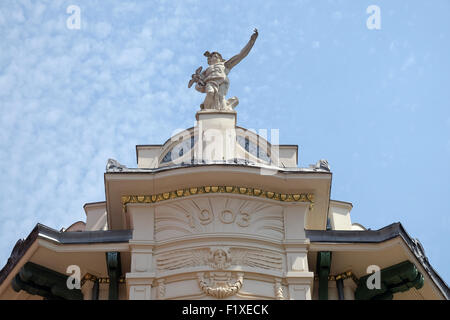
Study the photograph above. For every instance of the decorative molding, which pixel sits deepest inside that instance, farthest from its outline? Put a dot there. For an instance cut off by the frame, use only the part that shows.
(203, 214)
(161, 289)
(90, 277)
(220, 258)
(182, 259)
(343, 276)
(220, 284)
(249, 191)
(278, 288)
(263, 259)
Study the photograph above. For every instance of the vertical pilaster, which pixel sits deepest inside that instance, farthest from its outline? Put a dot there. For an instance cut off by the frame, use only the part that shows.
(298, 276)
(140, 279)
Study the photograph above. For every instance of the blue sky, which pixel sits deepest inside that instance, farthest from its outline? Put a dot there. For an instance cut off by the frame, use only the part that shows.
(375, 103)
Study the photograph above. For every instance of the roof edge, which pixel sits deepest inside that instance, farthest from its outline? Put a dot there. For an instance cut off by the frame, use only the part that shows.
(376, 236)
(40, 230)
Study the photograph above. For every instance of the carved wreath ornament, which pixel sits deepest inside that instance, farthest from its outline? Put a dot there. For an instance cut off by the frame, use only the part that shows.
(220, 284)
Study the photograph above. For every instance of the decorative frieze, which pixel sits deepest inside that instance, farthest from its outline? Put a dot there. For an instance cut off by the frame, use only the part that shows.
(220, 259)
(90, 277)
(200, 215)
(249, 191)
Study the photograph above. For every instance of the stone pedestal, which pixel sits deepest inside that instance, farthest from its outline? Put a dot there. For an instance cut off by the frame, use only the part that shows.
(216, 134)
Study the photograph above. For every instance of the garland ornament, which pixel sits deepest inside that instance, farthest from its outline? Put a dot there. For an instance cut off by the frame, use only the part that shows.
(220, 284)
(249, 191)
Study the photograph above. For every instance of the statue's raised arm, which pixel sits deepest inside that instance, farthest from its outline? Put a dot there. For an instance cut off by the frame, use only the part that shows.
(214, 80)
(230, 63)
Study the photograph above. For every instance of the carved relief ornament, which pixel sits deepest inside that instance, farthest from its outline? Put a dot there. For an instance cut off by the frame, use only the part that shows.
(249, 191)
(220, 284)
(220, 259)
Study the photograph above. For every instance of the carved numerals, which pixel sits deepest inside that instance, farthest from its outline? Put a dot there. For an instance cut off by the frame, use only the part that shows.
(205, 217)
(218, 214)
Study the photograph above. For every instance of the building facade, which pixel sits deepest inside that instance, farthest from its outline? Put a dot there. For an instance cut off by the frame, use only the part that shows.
(217, 212)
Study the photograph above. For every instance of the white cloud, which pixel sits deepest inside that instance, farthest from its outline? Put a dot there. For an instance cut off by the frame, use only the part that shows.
(337, 15)
(130, 57)
(18, 16)
(103, 29)
(165, 55)
(393, 46)
(409, 62)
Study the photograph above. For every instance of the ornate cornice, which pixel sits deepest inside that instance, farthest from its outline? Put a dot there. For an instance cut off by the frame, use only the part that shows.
(249, 191)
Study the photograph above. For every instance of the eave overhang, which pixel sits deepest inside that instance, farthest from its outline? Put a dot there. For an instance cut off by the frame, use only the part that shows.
(336, 240)
(144, 182)
(45, 237)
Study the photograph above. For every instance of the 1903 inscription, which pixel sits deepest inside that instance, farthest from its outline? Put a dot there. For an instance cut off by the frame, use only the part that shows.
(226, 216)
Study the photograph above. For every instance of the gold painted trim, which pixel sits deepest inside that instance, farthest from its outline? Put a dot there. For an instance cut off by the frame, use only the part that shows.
(249, 191)
(90, 277)
(343, 276)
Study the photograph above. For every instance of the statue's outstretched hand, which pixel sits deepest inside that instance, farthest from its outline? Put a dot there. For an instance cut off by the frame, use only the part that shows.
(196, 78)
(254, 35)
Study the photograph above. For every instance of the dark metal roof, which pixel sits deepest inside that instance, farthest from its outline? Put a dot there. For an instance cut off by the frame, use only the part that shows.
(376, 236)
(354, 236)
(84, 237)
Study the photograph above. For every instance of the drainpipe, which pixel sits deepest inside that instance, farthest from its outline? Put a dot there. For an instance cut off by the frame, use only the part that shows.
(340, 288)
(323, 271)
(95, 290)
(114, 271)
